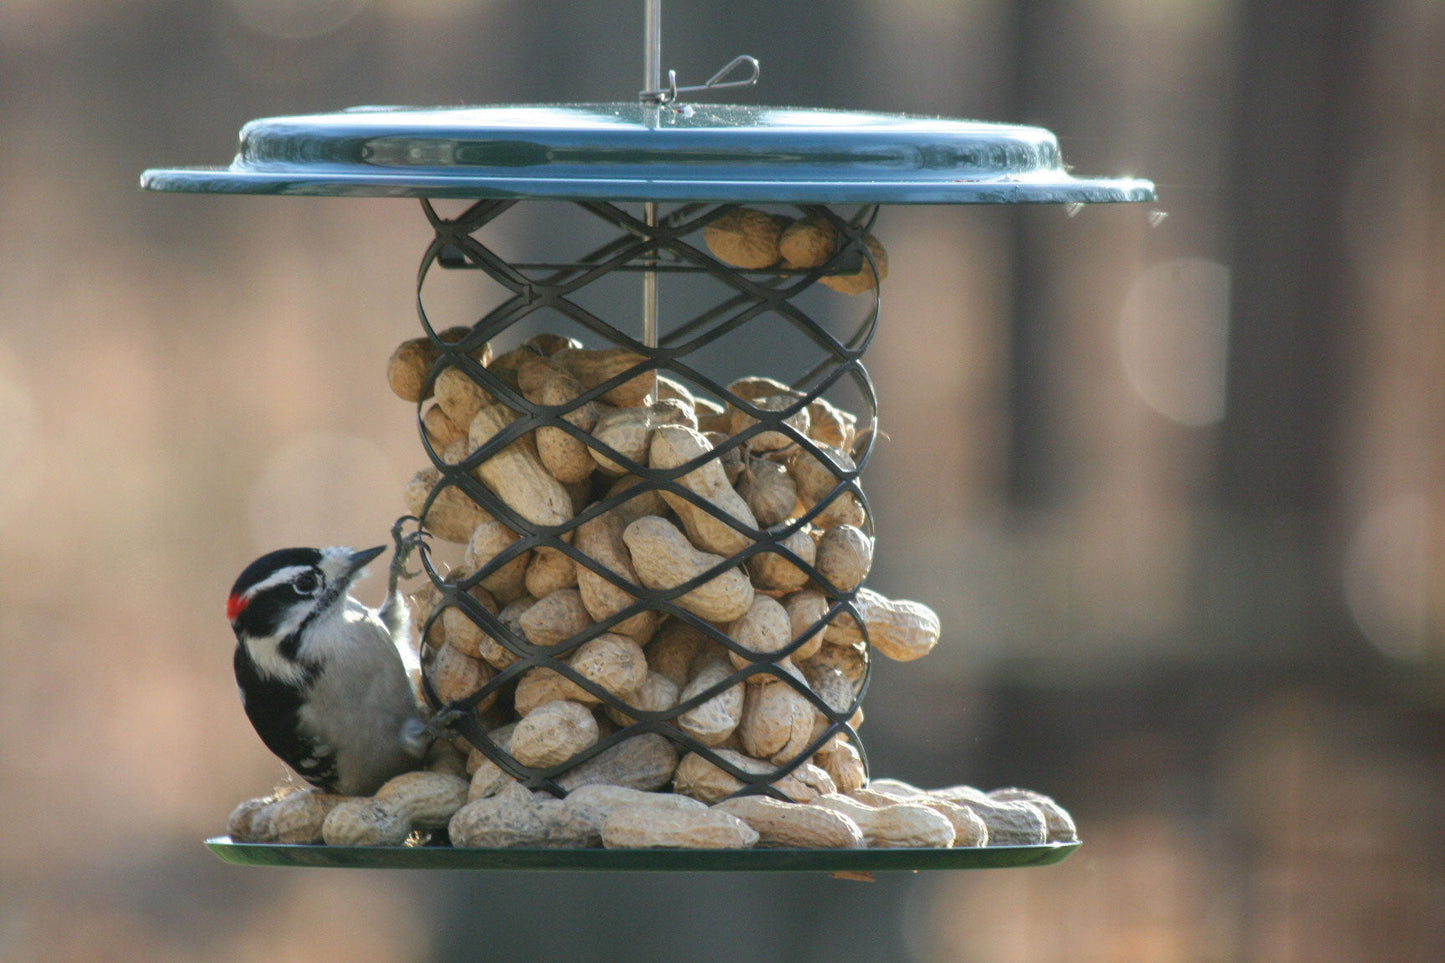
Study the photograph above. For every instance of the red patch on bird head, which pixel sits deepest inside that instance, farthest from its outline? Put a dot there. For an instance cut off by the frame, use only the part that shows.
(235, 605)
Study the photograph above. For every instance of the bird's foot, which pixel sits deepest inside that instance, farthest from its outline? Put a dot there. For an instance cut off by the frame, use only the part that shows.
(406, 543)
(441, 721)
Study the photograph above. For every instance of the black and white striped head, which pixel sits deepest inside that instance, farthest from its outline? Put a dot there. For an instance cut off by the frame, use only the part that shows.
(281, 591)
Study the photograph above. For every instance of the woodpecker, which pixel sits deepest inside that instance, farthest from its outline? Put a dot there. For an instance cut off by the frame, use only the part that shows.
(323, 678)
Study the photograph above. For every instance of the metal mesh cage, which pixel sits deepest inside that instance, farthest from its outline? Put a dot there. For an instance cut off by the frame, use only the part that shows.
(716, 315)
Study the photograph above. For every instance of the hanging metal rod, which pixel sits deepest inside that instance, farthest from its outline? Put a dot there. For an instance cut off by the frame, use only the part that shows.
(654, 95)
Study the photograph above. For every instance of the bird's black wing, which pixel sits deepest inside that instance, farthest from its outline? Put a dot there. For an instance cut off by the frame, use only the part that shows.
(274, 710)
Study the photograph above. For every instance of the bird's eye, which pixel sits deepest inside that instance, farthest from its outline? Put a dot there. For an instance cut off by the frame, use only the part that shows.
(305, 584)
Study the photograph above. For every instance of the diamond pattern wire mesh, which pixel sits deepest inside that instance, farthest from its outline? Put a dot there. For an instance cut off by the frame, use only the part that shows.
(748, 303)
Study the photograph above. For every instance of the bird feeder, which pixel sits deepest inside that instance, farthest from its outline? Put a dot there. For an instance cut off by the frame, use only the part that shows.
(674, 256)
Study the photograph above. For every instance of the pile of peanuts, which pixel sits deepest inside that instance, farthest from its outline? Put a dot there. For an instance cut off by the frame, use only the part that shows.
(418, 808)
(793, 611)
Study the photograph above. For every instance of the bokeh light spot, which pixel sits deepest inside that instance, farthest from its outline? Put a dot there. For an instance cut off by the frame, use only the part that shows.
(1173, 338)
(1387, 576)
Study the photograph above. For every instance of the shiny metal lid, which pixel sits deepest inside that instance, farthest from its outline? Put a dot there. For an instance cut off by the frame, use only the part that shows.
(640, 152)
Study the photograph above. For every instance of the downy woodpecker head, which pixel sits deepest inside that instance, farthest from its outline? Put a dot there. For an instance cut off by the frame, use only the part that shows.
(284, 591)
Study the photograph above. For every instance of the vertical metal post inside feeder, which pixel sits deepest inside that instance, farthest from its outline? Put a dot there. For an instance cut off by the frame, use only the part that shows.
(652, 80)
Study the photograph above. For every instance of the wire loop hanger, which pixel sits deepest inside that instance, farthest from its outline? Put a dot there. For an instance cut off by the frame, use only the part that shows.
(664, 96)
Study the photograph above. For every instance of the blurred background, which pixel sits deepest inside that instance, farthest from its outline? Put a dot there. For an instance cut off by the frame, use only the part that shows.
(1171, 474)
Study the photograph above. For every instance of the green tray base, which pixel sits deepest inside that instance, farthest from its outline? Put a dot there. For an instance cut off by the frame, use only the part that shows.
(846, 861)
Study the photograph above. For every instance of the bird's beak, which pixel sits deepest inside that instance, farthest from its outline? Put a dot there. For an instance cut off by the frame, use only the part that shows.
(359, 560)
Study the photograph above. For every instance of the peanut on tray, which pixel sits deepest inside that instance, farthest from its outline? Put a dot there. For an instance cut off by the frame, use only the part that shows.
(658, 614)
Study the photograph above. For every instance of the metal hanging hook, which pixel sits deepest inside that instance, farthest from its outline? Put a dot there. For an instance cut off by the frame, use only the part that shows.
(668, 95)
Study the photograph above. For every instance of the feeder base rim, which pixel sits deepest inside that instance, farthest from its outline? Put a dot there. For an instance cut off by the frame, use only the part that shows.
(640, 860)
